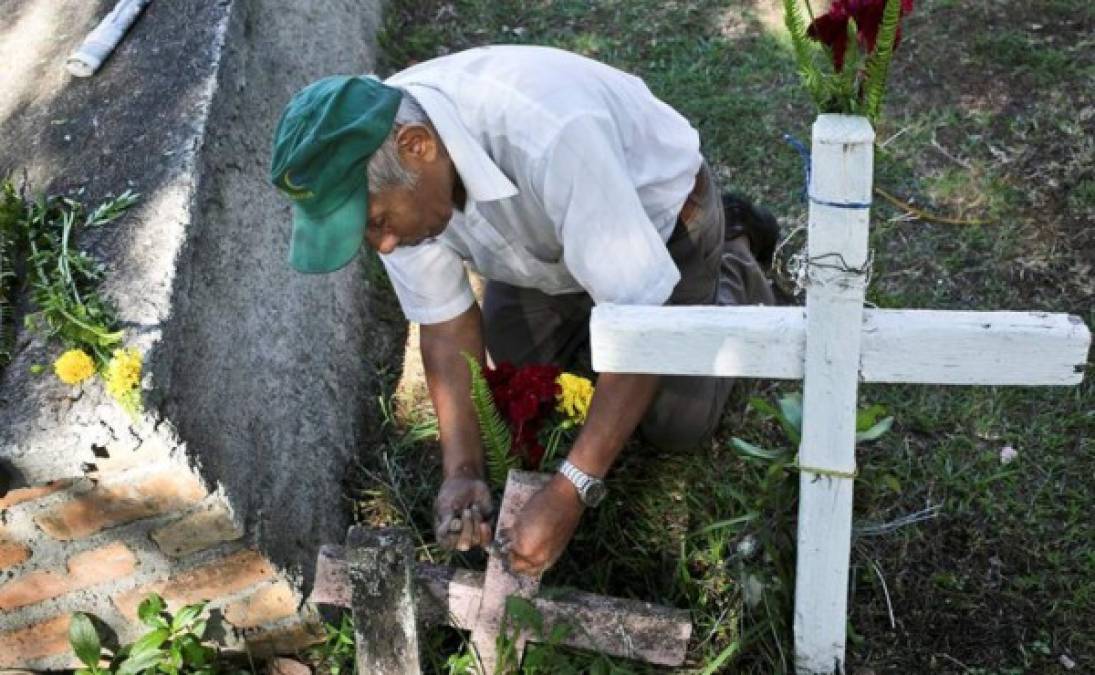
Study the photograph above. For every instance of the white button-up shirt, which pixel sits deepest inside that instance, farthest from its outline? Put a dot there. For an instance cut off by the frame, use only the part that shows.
(575, 174)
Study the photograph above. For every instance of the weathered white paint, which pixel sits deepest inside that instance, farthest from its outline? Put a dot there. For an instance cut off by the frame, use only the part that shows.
(898, 345)
(999, 348)
(842, 170)
(767, 342)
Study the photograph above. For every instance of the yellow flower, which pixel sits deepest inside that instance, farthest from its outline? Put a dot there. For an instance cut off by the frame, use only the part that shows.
(123, 373)
(74, 366)
(574, 397)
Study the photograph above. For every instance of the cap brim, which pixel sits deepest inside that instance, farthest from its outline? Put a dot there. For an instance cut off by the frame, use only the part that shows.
(328, 243)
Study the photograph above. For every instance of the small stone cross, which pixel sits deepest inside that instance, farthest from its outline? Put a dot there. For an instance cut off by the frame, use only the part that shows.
(391, 596)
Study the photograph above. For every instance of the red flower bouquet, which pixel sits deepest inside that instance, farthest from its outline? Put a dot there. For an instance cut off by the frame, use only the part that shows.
(524, 396)
(859, 38)
(525, 413)
(831, 28)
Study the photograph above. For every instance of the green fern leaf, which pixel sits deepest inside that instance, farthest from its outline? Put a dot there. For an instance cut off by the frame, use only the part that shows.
(492, 428)
(878, 65)
(811, 75)
(846, 82)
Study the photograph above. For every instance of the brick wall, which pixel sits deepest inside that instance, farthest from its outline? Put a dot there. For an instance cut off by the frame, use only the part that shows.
(99, 543)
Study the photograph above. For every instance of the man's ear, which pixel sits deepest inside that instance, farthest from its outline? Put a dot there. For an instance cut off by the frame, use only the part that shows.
(416, 142)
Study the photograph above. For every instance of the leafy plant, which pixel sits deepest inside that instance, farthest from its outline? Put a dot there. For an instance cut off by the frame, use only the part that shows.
(11, 212)
(37, 249)
(64, 283)
(805, 52)
(878, 65)
(522, 617)
(765, 550)
(173, 644)
(336, 654)
(859, 38)
(495, 434)
(38, 236)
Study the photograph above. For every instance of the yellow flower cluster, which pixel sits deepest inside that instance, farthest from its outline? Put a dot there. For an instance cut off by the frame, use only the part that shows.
(573, 399)
(74, 366)
(123, 374)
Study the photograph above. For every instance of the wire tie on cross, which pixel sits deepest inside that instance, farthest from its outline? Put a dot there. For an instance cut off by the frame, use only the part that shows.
(828, 473)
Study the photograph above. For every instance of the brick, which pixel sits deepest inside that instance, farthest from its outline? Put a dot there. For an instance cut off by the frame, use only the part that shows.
(86, 569)
(21, 495)
(12, 552)
(197, 531)
(286, 666)
(109, 506)
(207, 582)
(35, 641)
(265, 605)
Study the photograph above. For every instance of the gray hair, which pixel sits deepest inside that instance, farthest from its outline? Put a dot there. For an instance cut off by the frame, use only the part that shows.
(385, 171)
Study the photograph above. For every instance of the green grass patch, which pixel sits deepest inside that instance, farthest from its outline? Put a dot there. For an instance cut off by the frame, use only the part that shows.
(1022, 52)
(996, 573)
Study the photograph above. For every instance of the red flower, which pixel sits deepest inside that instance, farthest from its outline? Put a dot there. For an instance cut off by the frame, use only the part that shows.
(524, 396)
(523, 407)
(831, 28)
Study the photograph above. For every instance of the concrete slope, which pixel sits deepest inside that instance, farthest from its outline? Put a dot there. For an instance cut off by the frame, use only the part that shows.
(258, 379)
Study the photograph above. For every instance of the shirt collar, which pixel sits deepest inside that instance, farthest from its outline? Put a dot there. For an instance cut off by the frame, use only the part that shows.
(483, 180)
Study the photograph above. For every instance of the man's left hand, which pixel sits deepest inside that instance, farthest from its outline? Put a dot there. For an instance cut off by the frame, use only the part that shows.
(544, 527)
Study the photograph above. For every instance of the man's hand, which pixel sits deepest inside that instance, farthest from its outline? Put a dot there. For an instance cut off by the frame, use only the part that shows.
(544, 527)
(462, 513)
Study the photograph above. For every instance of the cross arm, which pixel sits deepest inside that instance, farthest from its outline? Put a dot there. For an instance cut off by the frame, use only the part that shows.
(914, 346)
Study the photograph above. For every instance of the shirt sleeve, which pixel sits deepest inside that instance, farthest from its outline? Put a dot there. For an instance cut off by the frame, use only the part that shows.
(610, 245)
(430, 281)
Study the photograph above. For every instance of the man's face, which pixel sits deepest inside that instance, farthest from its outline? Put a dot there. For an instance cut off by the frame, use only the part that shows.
(407, 217)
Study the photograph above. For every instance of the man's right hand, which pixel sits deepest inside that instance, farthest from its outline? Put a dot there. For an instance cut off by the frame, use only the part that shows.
(462, 513)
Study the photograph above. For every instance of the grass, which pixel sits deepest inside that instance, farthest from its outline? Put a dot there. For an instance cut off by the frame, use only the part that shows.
(987, 121)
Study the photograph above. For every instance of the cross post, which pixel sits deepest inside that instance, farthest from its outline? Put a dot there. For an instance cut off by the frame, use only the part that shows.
(836, 255)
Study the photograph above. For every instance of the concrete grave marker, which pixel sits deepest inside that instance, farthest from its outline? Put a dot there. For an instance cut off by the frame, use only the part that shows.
(833, 344)
(376, 573)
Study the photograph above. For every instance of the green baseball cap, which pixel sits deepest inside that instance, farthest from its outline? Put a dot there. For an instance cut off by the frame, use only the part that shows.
(322, 145)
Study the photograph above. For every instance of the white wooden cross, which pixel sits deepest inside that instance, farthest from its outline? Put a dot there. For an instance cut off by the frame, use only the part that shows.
(833, 344)
(375, 573)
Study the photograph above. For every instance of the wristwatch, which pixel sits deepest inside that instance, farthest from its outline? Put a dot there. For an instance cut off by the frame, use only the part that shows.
(591, 490)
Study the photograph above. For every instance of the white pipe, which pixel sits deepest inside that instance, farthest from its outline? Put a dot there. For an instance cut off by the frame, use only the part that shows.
(100, 42)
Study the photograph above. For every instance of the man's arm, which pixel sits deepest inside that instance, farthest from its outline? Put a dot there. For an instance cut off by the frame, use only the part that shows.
(449, 382)
(619, 402)
(549, 519)
(464, 495)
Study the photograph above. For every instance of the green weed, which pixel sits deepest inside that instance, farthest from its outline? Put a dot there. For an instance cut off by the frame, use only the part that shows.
(172, 645)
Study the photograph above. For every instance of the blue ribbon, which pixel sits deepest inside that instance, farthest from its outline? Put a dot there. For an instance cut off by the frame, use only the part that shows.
(805, 154)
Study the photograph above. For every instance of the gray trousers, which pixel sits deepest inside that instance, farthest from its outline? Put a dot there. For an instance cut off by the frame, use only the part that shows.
(524, 325)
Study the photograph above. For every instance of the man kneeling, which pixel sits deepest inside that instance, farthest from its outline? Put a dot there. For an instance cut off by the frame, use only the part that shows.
(565, 183)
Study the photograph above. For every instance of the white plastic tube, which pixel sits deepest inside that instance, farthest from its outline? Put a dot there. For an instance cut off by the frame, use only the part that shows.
(100, 42)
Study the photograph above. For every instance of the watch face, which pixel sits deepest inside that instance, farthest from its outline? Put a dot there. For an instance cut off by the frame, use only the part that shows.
(594, 494)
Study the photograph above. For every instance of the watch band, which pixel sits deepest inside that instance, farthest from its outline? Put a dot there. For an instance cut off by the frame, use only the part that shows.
(590, 489)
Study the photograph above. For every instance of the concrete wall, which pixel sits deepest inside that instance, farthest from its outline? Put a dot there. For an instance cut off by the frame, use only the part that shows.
(258, 380)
